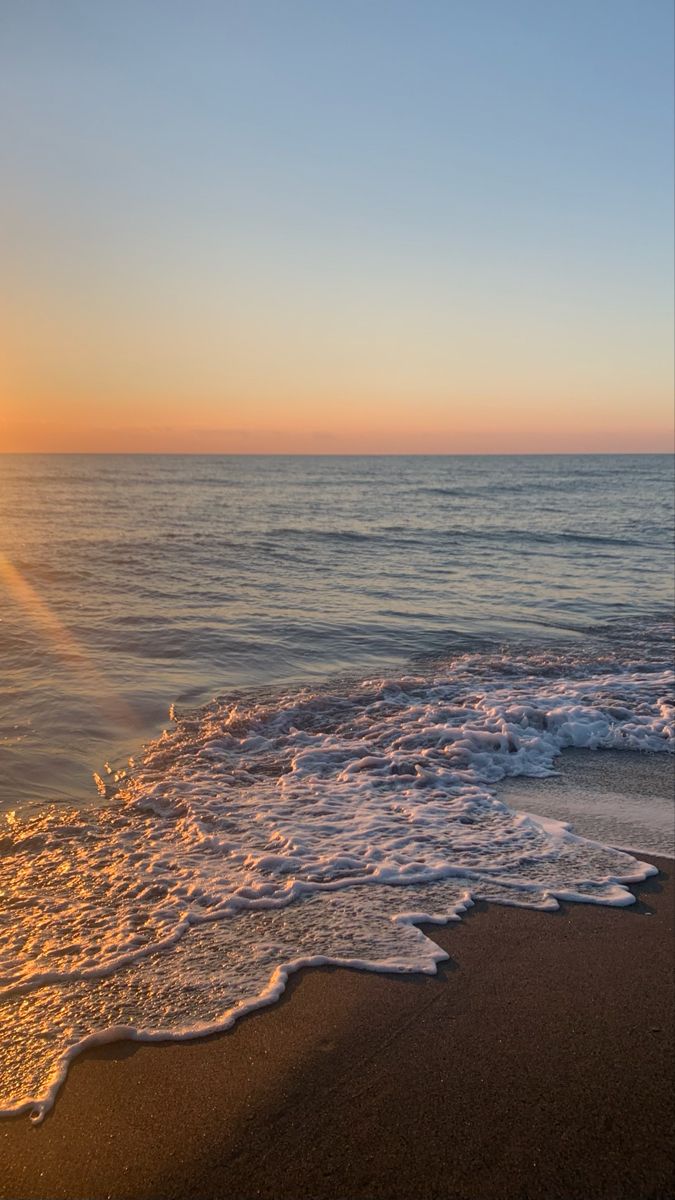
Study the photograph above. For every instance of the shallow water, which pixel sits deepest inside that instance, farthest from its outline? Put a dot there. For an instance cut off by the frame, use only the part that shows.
(388, 639)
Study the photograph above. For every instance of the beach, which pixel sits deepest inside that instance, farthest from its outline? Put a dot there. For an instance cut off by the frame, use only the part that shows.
(360, 710)
(538, 1063)
(337, 512)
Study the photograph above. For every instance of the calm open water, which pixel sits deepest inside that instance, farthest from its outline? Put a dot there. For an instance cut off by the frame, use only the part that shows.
(129, 583)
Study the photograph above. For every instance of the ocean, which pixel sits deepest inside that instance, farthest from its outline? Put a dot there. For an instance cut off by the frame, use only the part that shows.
(255, 712)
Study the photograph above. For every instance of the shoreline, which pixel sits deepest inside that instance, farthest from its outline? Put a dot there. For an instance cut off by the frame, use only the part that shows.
(536, 1063)
(608, 796)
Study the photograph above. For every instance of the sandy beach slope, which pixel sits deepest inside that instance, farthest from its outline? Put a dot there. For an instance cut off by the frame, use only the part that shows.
(537, 1064)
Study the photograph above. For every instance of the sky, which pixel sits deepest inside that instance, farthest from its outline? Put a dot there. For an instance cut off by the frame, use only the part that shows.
(336, 226)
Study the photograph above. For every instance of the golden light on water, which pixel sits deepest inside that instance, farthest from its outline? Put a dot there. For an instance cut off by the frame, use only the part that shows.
(61, 640)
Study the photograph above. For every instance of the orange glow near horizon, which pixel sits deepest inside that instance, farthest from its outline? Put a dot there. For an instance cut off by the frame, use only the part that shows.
(316, 384)
(493, 430)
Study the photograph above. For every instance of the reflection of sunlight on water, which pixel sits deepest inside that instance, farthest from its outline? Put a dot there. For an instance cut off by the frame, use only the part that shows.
(116, 777)
(69, 650)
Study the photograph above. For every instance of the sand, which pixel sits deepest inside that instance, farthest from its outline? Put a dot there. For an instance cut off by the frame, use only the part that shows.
(537, 1064)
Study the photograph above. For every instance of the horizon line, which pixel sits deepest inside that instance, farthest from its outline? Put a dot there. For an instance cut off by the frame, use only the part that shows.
(335, 454)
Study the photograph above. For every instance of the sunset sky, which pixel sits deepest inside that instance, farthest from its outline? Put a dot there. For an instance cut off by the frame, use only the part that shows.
(345, 226)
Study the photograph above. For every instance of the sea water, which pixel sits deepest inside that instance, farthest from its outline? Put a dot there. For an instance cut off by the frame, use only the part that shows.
(356, 652)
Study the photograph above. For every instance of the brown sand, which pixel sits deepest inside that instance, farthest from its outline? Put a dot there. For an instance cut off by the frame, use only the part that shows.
(537, 1064)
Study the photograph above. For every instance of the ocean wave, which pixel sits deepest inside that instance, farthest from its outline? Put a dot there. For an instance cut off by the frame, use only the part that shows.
(272, 830)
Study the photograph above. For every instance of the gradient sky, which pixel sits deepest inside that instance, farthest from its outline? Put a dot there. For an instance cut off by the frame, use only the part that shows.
(303, 225)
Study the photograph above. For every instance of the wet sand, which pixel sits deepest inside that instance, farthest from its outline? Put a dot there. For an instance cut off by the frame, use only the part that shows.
(617, 797)
(538, 1064)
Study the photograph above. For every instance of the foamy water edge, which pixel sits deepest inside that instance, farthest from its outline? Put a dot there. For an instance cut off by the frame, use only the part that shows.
(338, 800)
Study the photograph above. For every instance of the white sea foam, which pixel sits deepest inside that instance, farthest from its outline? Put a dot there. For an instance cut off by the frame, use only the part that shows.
(266, 834)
